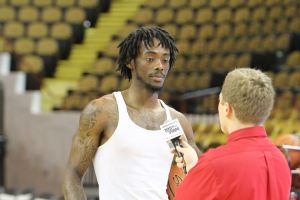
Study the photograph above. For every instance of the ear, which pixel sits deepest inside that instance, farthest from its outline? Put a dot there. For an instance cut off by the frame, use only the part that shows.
(131, 65)
(228, 109)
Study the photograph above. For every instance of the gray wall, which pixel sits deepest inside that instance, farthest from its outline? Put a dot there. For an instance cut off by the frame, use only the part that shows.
(37, 144)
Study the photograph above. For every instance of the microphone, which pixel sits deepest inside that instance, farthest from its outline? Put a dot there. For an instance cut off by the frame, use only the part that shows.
(173, 130)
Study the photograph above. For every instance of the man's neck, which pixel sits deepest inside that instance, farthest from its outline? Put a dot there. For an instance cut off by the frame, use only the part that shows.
(141, 98)
(234, 126)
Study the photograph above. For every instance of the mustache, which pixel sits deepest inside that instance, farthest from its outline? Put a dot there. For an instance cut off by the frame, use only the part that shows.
(158, 74)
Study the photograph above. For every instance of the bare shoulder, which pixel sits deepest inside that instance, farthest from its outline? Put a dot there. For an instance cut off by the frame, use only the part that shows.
(96, 112)
(106, 102)
(176, 114)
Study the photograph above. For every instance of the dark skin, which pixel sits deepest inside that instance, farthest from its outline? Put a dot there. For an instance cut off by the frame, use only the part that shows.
(100, 116)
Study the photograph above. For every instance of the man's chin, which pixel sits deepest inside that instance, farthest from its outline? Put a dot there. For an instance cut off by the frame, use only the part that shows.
(154, 88)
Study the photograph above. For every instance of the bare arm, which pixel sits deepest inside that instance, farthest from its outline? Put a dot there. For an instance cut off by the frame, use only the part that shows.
(85, 143)
(187, 128)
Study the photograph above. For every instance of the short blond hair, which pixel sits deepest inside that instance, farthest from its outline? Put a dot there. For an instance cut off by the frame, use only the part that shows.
(250, 93)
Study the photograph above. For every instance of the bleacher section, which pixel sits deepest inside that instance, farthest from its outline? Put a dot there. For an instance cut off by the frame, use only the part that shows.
(69, 48)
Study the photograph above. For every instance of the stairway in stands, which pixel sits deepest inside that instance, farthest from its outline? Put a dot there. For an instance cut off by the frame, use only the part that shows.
(84, 55)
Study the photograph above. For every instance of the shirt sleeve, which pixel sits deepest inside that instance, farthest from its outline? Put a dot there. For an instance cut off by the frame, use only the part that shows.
(200, 183)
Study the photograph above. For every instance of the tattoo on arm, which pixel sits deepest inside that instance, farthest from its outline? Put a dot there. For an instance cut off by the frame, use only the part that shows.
(84, 147)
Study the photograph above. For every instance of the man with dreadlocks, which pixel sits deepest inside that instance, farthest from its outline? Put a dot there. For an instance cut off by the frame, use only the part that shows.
(120, 132)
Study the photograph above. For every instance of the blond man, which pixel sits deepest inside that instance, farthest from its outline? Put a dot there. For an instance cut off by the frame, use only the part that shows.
(249, 166)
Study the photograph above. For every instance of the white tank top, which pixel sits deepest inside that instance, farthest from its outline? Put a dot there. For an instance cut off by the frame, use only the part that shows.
(134, 163)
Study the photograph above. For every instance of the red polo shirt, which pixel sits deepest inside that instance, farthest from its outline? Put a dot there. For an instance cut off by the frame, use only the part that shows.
(248, 167)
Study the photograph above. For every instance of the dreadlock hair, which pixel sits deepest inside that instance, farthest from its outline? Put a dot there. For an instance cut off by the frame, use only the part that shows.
(129, 48)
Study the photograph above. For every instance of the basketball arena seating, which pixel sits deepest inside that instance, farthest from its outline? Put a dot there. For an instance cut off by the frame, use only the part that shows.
(38, 33)
(213, 37)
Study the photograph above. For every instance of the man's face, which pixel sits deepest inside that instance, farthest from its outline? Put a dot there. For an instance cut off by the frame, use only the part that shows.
(152, 65)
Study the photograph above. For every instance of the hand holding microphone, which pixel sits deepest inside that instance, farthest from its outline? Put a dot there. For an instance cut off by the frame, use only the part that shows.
(189, 158)
(173, 131)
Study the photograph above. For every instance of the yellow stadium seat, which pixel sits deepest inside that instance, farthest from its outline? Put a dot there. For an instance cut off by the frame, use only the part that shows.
(254, 28)
(242, 15)
(47, 47)
(236, 3)
(24, 46)
(213, 46)
(112, 49)
(62, 32)
(206, 31)
(19, 3)
(125, 30)
(183, 46)
(177, 3)
(269, 42)
(13, 30)
(271, 3)
(51, 15)
(230, 62)
(42, 3)
(223, 15)
(198, 3)
(291, 11)
(88, 83)
(199, 47)
(259, 13)
(294, 25)
(191, 81)
(241, 44)
(76, 16)
(223, 31)
(103, 66)
(240, 30)
(217, 3)
(184, 15)
(293, 59)
(275, 13)
(187, 31)
(31, 64)
(180, 62)
(255, 3)
(72, 101)
(205, 80)
(109, 83)
(280, 79)
(164, 16)
(282, 41)
(7, 13)
(228, 45)
(172, 29)
(268, 27)
(204, 15)
(281, 25)
(155, 3)
(243, 60)
(64, 3)
(255, 44)
(204, 62)
(37, 30)
(217, 63)
(144, 16)
(28, 14)
(190, 64)
(294, 80)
